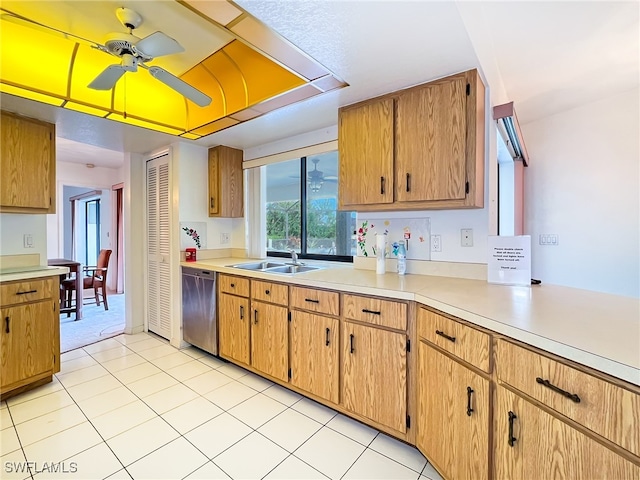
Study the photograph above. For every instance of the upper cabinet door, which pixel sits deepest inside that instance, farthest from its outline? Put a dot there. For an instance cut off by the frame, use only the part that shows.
(27, 163)
(431, 141)
(365, 142)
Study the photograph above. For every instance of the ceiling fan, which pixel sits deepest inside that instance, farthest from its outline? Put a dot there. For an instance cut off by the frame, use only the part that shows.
(133, 52)
(316, 178)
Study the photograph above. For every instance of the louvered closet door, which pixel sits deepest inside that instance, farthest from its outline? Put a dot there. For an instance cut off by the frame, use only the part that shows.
(158, 273)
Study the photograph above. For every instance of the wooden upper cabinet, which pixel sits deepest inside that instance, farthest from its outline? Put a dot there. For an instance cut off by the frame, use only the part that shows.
(428, 154)
(226, 191)
(365, 143)
(28, 165)
(430, 142)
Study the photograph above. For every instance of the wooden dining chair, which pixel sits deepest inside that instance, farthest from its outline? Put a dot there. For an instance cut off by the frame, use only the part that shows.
(94, 277)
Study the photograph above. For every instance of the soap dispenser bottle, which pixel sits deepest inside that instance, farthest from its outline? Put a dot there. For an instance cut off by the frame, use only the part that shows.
(402, 258)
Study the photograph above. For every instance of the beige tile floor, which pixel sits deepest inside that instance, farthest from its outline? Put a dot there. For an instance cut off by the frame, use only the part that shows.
(134, 407)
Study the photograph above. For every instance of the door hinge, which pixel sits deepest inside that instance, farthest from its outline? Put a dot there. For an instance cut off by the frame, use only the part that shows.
(408, 345)
(468, 89)
(289, 315)
(289, 373)
(466, 188)
(408, 421)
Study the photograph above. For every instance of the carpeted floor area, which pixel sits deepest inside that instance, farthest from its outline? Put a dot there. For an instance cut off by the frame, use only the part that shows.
(96, 324)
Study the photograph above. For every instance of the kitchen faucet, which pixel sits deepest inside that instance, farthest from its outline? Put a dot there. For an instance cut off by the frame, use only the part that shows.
(294, 258)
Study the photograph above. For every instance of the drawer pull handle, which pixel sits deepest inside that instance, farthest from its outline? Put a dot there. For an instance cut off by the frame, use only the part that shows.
(311, 300)
(328, 332)
(469, 409)
(233, 285)
(351, 349)
(546, 383)
(442, 334)
(6, 325)
(241, 312)
(27, 292)
(267, 292)
(365, 310)
(381, 185)
(512, 439)
(255, 317)
(408, 182)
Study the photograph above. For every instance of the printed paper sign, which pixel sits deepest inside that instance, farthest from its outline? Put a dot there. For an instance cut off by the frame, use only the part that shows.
(510, 260)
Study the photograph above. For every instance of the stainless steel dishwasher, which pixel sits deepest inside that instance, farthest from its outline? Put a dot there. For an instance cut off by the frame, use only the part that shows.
(199, 321)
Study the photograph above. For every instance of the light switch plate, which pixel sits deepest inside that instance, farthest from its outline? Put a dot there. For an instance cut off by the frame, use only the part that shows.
(28, 240)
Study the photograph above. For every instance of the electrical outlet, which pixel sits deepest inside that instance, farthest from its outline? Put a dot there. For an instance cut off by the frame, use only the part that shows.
(466, 237)
(224, 238)
(436, 243)
(28, 240)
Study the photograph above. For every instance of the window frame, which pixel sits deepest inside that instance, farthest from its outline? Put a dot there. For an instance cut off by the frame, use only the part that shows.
(303, 227)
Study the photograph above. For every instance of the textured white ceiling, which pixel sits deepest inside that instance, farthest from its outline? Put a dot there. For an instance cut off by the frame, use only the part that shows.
(550, 55)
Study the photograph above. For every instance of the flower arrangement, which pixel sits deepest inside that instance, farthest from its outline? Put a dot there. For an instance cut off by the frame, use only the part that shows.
(362, 233)
(193, 234)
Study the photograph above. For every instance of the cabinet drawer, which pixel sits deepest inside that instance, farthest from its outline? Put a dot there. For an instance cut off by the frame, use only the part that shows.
(464, 342)
(270, 292)
(27, 291)
(315, 300)
(234, 285)
(375, 311)
(601, 406)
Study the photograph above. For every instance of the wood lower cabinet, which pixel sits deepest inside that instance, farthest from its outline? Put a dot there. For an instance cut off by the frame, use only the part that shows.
(29, 333)
(314, 354)
(453, 415)
(28, 165)
(374, 379)
(269, 339)
(531, 443)
(233, 327)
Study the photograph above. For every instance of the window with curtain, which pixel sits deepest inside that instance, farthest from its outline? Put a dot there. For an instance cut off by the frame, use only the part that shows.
(301, 210)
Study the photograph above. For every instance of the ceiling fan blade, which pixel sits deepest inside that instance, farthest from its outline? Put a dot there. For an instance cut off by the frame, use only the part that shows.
(180, 86)
(8, 16)
(108, 78)
(158, 44)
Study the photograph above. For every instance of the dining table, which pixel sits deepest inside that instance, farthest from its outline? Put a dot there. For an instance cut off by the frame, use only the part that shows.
(74, 268)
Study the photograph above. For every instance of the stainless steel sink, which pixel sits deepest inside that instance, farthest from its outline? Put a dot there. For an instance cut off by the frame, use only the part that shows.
(275, 267)
(292, 269)
(258, 265)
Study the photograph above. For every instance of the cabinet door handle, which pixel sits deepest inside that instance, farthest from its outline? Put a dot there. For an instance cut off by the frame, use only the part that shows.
(311, 300)
(6, 325)
(512, 439)
(381, 185)
(267, 292)
(546, 383)
(233, 285)
(365, 310)
(351, 349)
(408, 182)
(469, 409)
(27, 292)
(442, 334)
(241, 312)
(255, 317)
(327, 333)
(211, 203)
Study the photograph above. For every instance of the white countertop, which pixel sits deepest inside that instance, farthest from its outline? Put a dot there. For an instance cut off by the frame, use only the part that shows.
(25, 273)
(599, 330)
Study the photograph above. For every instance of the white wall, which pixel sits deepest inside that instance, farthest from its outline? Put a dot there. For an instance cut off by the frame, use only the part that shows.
(193, 192)
(13, 226)
(582, 184)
